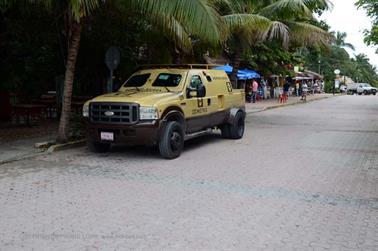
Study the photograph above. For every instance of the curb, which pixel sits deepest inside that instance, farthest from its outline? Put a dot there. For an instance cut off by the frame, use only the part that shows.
(45, 150)
(58, 147)
(22, 157)
(284, 105)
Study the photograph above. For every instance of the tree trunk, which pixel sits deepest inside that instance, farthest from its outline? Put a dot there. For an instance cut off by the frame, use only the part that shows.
(64, 125)
(235, 64)
(176, 54)
(176, 57)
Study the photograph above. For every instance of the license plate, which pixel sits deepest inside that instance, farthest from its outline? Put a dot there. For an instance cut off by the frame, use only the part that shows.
(107, 136)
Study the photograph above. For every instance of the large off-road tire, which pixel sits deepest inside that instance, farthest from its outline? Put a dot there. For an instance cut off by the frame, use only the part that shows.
(225, 130)
(366, 93)
(172, 140)
(374, 92)
(237, 126)
(97, 147)
(234, 130)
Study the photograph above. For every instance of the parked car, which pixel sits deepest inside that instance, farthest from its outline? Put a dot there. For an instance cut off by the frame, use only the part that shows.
(361, 88)
(366, 89)
(163, 105)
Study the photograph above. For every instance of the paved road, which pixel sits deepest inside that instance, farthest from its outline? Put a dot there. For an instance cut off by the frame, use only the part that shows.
(304, 177)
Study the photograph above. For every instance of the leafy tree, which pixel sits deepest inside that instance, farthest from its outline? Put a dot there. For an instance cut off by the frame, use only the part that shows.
(340, 40)
(251, 23)
(359, 69)
(195, 15)
(364, 71)
(371, 7)
(269, 58)
(27, 61)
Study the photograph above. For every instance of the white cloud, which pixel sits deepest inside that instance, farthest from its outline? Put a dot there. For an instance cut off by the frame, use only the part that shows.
(345, 17)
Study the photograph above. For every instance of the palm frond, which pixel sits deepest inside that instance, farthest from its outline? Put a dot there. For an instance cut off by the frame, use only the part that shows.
(197, 16)
(257, 28)
(287, 10)
(280, 31)
(83, 8)
(222, 6)
(350, 46)
(247, 22)
(318, 4)
(175, 32)
(309, 35)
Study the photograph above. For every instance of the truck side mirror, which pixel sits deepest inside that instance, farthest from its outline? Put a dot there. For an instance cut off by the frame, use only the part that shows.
(190, 92)
(199, 92)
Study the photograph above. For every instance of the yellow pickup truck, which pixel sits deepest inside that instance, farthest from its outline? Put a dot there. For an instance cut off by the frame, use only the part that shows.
(163, 105)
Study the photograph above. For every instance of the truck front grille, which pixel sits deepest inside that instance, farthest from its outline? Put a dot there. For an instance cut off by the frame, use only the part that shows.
(114, 113)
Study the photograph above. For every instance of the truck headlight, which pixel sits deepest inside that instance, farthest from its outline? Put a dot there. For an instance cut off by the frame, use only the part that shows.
(86, 110)
(148, 113)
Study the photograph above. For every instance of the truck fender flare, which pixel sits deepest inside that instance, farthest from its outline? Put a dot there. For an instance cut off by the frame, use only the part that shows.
(233, 112)
(174, 114)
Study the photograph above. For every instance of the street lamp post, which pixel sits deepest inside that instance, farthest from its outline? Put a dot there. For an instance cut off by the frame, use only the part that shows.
(336, 85)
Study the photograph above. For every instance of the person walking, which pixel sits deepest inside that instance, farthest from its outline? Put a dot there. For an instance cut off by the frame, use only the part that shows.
(286, 89)
(297, 88)
(304, 91)
(264, 88)
(255, 86)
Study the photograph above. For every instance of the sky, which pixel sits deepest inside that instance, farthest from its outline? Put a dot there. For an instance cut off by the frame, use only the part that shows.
(345, 17)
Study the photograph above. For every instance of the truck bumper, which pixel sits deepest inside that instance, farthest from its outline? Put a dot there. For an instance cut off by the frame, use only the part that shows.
(144, 133)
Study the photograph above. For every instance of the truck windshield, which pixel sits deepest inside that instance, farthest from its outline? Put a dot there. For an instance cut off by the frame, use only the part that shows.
(167, 80)
(366, 85)
(137, 80)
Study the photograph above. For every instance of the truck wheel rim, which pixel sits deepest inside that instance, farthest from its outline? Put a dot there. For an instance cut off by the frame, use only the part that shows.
(175, 141)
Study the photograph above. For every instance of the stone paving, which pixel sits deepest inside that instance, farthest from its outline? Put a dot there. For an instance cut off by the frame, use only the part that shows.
(303, 178)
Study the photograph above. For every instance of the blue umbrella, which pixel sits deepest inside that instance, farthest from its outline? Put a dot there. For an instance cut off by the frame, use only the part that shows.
(242, 74)
(250, 73)
(227, 68)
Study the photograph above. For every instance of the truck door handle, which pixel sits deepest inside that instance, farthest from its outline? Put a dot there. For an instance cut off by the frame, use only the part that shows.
(208, 102)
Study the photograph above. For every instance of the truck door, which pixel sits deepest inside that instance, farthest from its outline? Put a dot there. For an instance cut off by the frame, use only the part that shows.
(216, 96)
(197, 112)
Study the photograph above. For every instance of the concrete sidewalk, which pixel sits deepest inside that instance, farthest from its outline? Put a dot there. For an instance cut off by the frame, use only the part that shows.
(263, 105)
(17, 142)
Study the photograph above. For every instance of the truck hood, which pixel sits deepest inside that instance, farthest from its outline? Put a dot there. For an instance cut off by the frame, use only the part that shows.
(144, 98)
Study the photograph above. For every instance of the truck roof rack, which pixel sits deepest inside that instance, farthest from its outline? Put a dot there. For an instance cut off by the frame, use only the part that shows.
(177, 66)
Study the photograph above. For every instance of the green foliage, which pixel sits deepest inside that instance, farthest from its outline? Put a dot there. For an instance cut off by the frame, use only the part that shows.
(340, 40)
(197, 16)
(328, 86)
(371, 7)
(270, 58)
(28, 61)
(359, 69)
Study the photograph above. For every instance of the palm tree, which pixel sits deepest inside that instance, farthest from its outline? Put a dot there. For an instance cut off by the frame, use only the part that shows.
(364, 71)
(197, 16)
(253, 22)
(340, 40)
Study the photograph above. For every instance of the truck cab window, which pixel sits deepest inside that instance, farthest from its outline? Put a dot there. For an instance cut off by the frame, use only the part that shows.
(137, 80)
